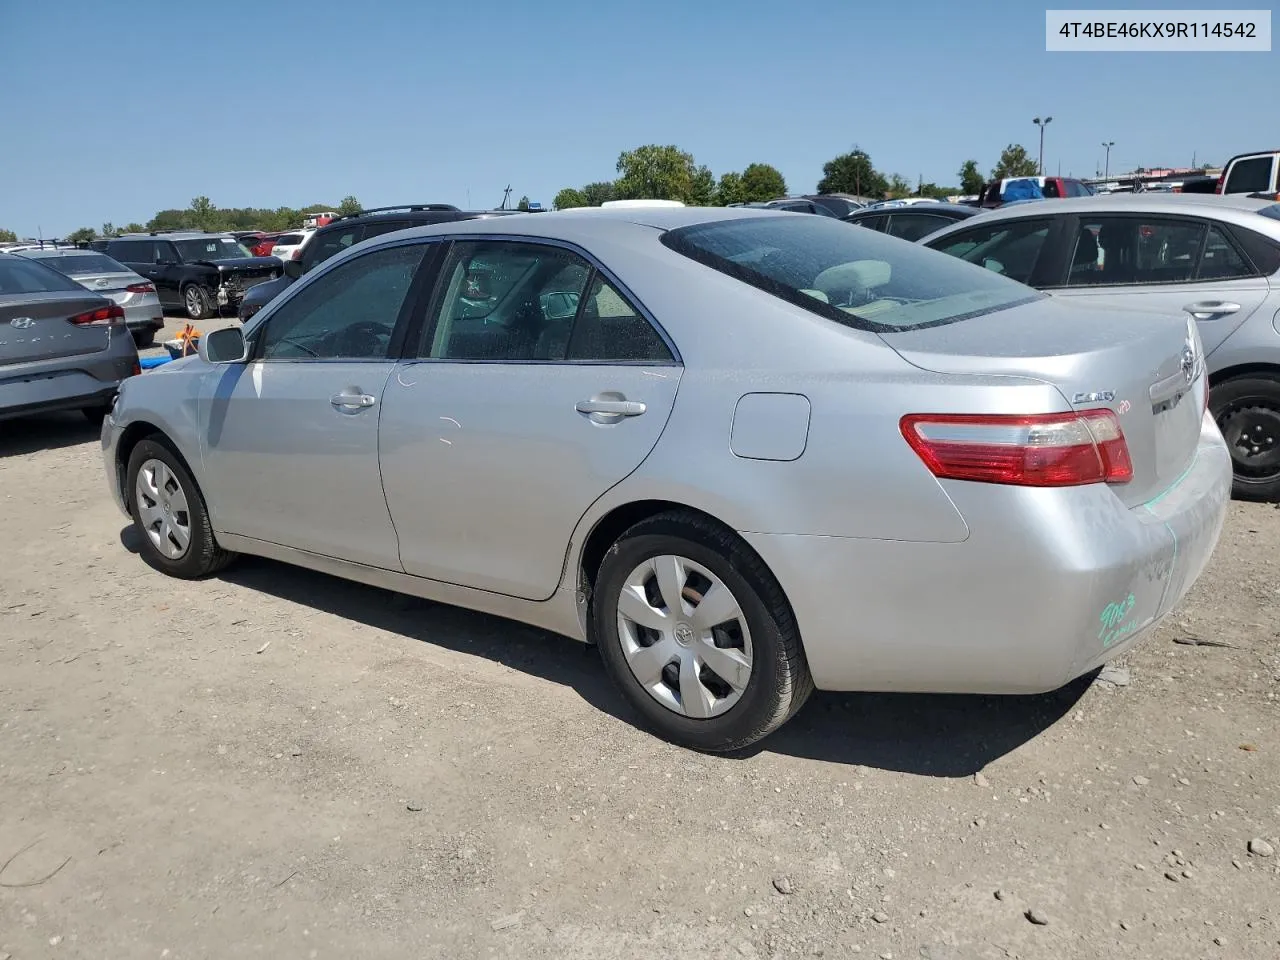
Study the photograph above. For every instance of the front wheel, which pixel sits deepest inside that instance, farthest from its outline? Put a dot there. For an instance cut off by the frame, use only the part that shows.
(1247, 411)
(169, 514)
(196, 302)
(697, 634)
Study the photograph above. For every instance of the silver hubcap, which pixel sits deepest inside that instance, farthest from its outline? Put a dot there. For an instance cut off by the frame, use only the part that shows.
(684, 636)
(162, 509)
(193, 301)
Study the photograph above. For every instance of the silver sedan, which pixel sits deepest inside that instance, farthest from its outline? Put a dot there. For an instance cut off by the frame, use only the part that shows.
(745, 453)
(97, 272)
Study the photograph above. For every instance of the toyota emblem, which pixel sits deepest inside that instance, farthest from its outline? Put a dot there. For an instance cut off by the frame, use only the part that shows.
(22, 323)
(1189, 362)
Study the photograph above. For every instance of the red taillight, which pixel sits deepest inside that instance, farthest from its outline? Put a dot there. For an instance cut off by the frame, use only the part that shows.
(1037, 450)
(296, 255)
(140, 288)
(102, 317)
(137, 369)
(1222, 179)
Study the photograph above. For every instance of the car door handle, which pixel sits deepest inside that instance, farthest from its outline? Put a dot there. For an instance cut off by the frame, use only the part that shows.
(611, 408)
(1211, 308)
(352, 400)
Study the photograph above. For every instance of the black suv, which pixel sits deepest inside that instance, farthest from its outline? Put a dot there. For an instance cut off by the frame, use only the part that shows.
(198, 272)
(338, 235)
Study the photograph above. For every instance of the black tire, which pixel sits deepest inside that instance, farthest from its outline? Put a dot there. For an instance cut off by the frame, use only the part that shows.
(144, 338)
(780, 682)
(203, 555)
(196, 302)
(1247, 411)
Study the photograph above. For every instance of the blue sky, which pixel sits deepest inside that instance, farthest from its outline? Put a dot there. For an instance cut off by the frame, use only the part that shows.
(114, 110)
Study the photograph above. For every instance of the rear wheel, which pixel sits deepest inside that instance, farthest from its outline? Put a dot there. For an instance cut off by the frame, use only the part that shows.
(169, 513)
(144, 338)
(1247, 411)
(697, 634)
(196, 301)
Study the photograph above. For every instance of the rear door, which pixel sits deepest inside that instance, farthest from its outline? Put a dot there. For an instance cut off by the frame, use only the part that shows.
(36, 303)
(537, 386)
(1174, 265)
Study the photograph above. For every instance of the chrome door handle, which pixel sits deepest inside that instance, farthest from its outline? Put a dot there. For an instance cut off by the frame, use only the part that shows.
(1211, 308)
(612, 408)
(356, 400)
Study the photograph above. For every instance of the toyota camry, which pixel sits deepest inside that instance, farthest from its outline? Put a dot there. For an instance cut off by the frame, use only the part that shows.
(745, 453)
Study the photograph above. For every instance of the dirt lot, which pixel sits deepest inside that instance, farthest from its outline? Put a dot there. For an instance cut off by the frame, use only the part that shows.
(276, 763)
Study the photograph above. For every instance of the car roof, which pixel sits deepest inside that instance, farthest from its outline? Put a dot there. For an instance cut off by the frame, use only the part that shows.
(174, 235)
(912, 208)
(59, 252)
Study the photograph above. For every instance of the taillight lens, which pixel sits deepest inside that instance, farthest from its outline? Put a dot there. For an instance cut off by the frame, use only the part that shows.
(140, 288)
(296, 255)
(1036, 450)
(1222, 179)
(102, 317)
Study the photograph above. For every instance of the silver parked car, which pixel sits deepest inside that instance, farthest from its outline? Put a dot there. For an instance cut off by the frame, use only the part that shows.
(97, 272)
(1213, 258)
(744, 452)
(61, 347)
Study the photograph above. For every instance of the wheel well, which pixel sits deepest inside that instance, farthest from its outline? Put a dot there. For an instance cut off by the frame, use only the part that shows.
(133, 435)
(1242, 370)
(613, 524)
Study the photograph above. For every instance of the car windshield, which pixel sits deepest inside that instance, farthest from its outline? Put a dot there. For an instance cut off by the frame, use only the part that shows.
(83, 264)
(20, 275)
(215, 248)
(860, 278)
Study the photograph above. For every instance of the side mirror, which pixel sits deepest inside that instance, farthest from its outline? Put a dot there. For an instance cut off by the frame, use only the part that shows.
(223, 346)
(293, 269)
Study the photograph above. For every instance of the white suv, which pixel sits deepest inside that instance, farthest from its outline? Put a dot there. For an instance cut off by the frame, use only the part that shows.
(1252, 173)
(289, 246)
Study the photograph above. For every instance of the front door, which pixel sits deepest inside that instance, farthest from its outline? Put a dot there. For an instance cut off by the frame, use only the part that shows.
(537, 386)
(291, 437)
(1177, 265)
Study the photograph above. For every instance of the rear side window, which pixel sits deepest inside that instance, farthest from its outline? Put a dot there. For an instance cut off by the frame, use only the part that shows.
(20, 275)
(1112, 251)
(1251, 175)
(913, 226)
(1011, 249)
(856, 277)
(872, 223)
(132, 251)
(327, 244)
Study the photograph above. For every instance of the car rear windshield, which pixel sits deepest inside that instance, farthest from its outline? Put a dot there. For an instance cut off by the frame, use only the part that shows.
(82, 264)
(20, 275)
(860, 278)
(289, 240)
(1272, 211)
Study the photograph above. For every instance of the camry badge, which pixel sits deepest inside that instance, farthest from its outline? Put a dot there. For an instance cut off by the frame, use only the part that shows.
(1097, 396)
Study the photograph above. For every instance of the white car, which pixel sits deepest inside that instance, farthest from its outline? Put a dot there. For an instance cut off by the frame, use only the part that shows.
(290, 245)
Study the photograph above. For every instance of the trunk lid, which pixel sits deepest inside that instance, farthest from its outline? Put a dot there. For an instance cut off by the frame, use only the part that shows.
(33, 326)
(110, 285)
(1146, 367)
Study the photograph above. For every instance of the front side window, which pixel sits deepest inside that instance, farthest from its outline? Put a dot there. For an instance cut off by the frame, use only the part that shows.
(133, 251)
(856, 277)
(1252, 175)
(332, 242)
(349, 313)
(1011, 249)
(506, 301)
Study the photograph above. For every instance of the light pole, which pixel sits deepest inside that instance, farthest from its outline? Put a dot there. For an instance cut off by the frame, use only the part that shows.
(1042, 124)
(1108, 144)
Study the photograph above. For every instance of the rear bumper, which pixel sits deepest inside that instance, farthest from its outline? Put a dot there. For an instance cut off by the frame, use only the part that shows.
(1049, 585)
(67, 383)
(146, 315)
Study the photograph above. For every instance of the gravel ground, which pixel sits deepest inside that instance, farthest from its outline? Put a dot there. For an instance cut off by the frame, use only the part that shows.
(277, 763)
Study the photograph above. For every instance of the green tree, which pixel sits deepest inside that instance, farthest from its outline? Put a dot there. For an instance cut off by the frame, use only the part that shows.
(204, 214)
(898, 186)
(133, 228)
(349, 206)
(109, 229)
(83, 235)
(662, 172)
(8, 236)
(598, 192)
(729, 189)
(852, 172)
(761, 182)
(971, 178)
(523, 205)
(568, 198)
(1014, 162)
(702, 189)
(936, 192)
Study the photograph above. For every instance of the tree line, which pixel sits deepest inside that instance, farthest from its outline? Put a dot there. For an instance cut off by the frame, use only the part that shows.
(665, 172)
(652, 171)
